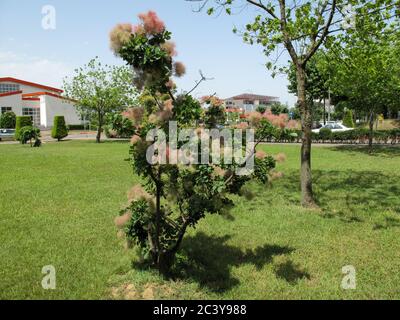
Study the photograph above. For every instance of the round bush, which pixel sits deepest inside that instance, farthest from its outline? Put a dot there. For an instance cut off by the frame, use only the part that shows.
(325, 134)
(22, 121)
(7, 120)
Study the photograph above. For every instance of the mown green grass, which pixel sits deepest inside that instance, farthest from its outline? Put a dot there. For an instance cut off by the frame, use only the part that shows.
(57, 206)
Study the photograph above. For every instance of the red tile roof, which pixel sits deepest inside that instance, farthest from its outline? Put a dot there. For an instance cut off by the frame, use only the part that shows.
(6, 94)
(38, 94)
(27, 83)
(252, 97)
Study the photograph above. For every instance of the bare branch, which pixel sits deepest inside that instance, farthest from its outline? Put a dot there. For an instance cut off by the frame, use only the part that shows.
(202, 79)
(260, 5)
(316, 44)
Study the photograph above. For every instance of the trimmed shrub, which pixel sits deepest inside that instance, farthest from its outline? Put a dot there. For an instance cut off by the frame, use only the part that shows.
(325, 134)
(76, 127)
(59, 130)
(30, 133)
(22, 121)
(7, 120)
(348, 119)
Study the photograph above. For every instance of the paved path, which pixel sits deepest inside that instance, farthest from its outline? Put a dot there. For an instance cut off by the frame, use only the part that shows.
(73, 135)
(91, 135)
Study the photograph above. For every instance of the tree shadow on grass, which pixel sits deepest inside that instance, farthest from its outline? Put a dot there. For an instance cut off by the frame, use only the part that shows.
(291, 272)
(389, 223)
(121, 141)
(349, 194)
(209, 260)
(390, 151)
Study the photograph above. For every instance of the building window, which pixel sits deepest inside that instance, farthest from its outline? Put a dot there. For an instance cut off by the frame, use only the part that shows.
(8, 87)
(249, 107)
(264, 102)
(34, 113)
(248, 102)
(5, 109)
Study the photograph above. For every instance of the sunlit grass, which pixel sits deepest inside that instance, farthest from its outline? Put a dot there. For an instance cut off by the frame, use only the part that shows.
(57, 206)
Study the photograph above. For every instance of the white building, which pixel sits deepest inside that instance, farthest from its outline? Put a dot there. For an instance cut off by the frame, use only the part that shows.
(40, 102)
(249, 102)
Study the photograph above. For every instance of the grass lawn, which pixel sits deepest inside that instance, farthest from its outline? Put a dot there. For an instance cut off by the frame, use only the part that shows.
(57, 206)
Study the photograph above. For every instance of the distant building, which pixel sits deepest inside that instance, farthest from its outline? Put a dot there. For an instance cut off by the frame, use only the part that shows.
(249, 102)
(42, 103)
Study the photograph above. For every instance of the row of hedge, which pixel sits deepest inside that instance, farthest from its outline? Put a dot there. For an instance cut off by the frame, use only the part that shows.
(58, 132)
(357, 136)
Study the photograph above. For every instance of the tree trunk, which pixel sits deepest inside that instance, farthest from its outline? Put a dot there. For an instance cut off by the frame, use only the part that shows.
(158, 223)
(307, 198)
(99, 128)
(371, 132)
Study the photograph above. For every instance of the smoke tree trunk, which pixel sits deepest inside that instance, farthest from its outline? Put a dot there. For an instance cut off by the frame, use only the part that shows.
(307, 198)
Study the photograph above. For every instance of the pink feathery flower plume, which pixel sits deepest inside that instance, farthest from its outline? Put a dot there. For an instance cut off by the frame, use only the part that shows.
(152, 23)
(169, 47)
(120, 35)
(277, 121)
(180, 69)
(135, 114)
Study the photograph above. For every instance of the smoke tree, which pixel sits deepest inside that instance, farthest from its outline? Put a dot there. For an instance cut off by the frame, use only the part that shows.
(298, 29)
(173, 196)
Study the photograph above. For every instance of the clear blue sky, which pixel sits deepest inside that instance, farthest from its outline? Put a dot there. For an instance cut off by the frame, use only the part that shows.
(28, 51)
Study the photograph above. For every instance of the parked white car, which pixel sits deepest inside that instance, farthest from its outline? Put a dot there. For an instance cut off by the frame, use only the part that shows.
(7, 134)
(335, 127)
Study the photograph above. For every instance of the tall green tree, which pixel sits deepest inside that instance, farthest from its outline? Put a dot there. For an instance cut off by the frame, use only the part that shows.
(317, 85)
(366, 70)
(101, 89)
(299, 29)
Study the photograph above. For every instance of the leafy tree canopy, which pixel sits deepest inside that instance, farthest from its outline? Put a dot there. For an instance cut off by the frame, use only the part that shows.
(101, 89)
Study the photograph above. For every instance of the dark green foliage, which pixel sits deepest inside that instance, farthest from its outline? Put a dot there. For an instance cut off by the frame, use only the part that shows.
(146, 54)
(22, 121)
(7, 120)
(30, 133)
(325, 134)
(360, 136)
(214, 115)
(278, 108)
(263, 167)
(261, 109)
(348, 119)
(122, 126)
(75, 127)
(186, 110)
(136, 227)
(60, 129)
(317, 81)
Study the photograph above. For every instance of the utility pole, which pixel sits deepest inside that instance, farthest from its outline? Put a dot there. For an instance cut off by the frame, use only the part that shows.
(329, 100)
